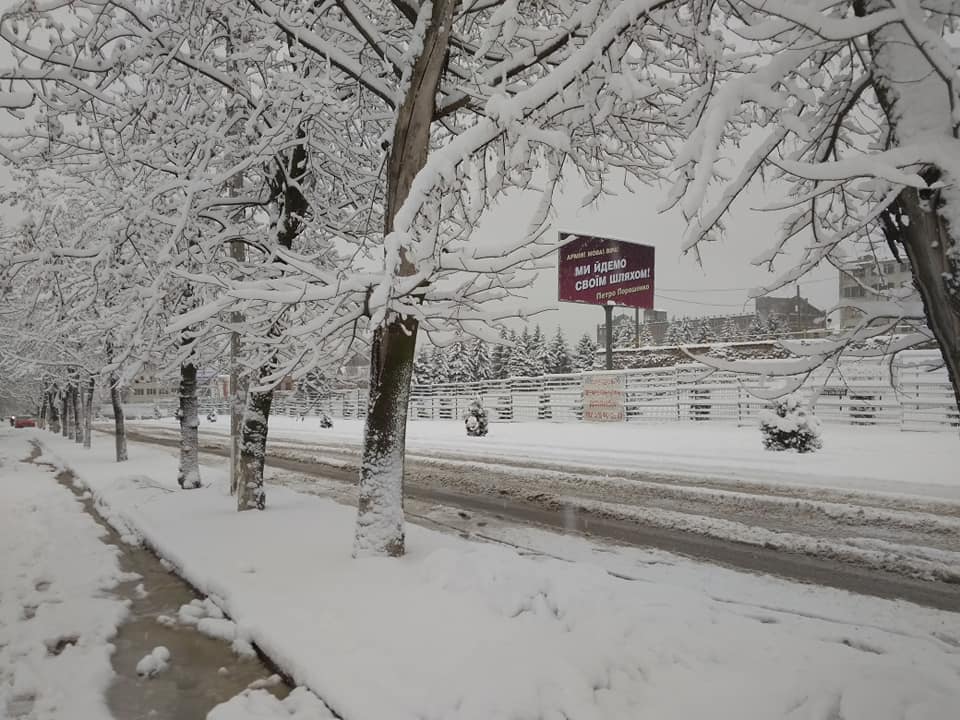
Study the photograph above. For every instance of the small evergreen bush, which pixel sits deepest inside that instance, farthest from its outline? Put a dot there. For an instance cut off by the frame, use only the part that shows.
(787, 426)
(476, 419)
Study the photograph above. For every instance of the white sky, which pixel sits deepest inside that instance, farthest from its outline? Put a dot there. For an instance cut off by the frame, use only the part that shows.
(681, 286)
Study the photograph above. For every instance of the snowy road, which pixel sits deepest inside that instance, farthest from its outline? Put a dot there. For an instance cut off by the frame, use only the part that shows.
(878, 543)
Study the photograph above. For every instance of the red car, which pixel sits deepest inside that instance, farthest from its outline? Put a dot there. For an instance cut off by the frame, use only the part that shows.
(22, 422)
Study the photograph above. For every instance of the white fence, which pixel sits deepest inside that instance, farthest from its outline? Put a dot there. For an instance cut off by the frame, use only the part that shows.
(907, 395)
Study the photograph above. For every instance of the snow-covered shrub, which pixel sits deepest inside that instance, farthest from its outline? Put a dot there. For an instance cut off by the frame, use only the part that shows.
(787, 426)
(325, 421)
(156, 412)
(211, 417)
(476, 419)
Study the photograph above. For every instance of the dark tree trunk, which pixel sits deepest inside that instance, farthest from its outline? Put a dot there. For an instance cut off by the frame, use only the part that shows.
(189, 472)
(931, 244)
(42, 421)
(380, 503)
(119, 427)
(253, 449)
(64, 415)
(53, 415)
(88, 412)
(77, 422)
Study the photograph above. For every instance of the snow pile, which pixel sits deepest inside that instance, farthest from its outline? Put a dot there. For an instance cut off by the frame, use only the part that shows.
(462, 631)
(154, 662)
(301, 704)
(209, 619)
(56, 614)
(789, 427)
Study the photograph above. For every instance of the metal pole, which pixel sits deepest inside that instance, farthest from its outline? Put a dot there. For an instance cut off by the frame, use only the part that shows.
(636, 327)
(608, 315)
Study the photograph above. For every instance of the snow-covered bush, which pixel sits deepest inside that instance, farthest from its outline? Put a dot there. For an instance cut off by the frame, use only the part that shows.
(787, 426)
(325, 421)
(476, 419)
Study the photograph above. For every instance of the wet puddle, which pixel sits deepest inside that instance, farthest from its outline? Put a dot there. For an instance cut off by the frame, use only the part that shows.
(202, 671)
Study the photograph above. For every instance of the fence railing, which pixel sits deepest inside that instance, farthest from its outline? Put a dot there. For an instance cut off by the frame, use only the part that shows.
(906, 395)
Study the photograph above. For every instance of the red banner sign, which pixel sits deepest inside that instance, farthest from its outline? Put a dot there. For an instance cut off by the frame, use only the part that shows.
(599, 271)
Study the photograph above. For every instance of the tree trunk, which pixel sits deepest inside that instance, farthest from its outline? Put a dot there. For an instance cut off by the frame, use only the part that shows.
(238, 401)
(380, 499)
(253, 450)
(119, 427)
(915, 100)
(54, 424)
(88, 413)
(77, 422)
(189, 472)
(64, 415)
(42, 420)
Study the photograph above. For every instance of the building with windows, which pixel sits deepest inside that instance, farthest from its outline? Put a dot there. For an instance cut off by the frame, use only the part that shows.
(865, 280)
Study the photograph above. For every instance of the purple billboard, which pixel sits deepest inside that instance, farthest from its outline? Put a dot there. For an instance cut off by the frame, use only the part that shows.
(600, 271)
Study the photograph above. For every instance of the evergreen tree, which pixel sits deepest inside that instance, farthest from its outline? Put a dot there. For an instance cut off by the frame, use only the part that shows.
(423, 368)
(520, 363)
(646, 338)
(623, 332)
(758, 329)
(458, 363)
(585, 354)
(481, 362)
(438, 366)
(559, 360)
(500, 356)
(776, 326)
(730, 331)
(537, 352)
(676, 333)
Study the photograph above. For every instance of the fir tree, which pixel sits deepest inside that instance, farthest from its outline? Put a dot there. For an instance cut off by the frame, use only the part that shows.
(623, 332)
(520, 363)
(758, 329)
(458, 363)
(676, 333)
(730, 331)
(776, 326)
(481, 363)
(423, 368)
(646, 338)
(559, 360)
(537, 352)
(585, 354)
(499, 356)
(438, 366)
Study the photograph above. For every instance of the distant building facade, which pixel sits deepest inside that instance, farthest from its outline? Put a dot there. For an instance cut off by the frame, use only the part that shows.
(863, 281)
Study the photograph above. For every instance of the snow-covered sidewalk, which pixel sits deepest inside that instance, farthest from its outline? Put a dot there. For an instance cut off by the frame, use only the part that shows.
(859, 459)
(56, 616)
(458, 629)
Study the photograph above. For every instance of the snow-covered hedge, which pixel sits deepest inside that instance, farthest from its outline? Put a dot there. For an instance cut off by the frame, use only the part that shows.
(789, 427)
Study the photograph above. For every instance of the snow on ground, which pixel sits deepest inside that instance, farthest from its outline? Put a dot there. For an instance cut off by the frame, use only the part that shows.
(56, 616)
(874, 459)
(459, 630)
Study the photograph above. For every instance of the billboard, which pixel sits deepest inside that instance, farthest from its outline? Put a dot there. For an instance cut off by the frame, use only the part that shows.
(600, 271)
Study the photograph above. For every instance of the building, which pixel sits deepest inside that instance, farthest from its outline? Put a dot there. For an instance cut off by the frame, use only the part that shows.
(794, 314)
(630, 318)
(864, 281)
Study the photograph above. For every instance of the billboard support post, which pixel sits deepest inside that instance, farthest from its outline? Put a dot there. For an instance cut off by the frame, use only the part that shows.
(608, 331)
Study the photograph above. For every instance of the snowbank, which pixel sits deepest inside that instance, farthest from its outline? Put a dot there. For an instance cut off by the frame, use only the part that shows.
(873, 459)
(56, 616)
(459, 630)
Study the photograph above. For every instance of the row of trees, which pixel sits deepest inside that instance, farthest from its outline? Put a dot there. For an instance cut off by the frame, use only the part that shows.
(692, 331)
(274, 186)
(524, 354)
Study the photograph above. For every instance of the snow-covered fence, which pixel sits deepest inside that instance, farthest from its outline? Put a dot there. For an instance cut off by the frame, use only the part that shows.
(907, 395)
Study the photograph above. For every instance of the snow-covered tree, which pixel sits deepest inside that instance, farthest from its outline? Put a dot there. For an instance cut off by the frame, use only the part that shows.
(458, 363)
(758, 329)
(559, 359)
(537, 352)
(500, 356)
(521, 364)
(646, 337)
(624, 332)
(480, 362)
(730, 332)
(585, 354)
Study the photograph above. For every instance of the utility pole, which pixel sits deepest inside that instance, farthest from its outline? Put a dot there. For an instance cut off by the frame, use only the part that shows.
(608, 315)
(636, 327)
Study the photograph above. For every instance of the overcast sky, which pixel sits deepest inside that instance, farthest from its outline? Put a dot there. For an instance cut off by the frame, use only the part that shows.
(681, 287)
